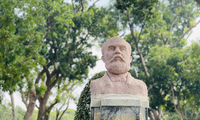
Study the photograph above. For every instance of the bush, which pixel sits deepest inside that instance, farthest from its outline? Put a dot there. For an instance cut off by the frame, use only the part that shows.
(83, 107)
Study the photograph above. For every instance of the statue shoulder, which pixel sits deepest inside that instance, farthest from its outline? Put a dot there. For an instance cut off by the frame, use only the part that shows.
(140, 85)
(141, 82)
(99, 80)
(95, 81)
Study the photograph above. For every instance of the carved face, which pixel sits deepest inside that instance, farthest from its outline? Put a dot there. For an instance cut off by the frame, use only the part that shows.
(116, 55)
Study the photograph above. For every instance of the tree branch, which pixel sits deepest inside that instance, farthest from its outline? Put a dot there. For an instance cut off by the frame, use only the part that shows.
(53, 73)
(42, 72)
(23, 100)
(57, 114)
(51, 106)
(39, 76)
(55, 54)
(48, 75)
(172, 46)
(141, 30)
(186, 115)
(198, 1)
(191, 115)
(55, 81)
(137, 47)
(4, 22)
(64, 111)
(37, 106)
(164, 40)
(45, 35)
(73, 7)
(174, 101)
(122, 34)
(47, 71)
(73, 54)
(189, 35)
(82, 5)
(93, 5)
(174, 4)
(173, 23)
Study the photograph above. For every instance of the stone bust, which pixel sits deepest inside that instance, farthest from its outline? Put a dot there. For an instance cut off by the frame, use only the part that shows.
(116, 54)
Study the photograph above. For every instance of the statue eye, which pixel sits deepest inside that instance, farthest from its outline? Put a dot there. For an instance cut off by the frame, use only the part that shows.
(111, 48)
(123, 48)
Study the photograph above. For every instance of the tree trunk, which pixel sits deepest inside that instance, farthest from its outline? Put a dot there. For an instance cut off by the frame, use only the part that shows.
(47, 116)
(13, 107)
(198, 1)
(42, 107)
(31, 104)
(156, 115)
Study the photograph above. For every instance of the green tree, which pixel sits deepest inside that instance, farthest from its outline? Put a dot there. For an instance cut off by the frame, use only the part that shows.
(6, 112)
(19, 42)
(164, 34)
(170, 27)
(68, 30)
(170, 24)
(68, 115)
(20, 113)
(175, 116)
(44, 47)
(178, 93)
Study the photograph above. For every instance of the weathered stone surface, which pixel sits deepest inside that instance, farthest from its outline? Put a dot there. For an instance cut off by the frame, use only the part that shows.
(117, 95)
(116, 54)
(119, 112)
(119, 108)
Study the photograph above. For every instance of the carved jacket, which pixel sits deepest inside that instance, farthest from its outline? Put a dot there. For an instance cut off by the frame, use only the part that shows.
(104, 85)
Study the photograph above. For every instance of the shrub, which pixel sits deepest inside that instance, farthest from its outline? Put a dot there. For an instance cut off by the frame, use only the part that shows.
(83, 106)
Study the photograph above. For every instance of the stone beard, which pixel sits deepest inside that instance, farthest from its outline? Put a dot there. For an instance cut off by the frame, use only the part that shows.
(117, 65)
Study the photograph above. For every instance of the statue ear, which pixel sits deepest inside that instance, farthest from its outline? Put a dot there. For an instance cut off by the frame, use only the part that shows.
(103, 59)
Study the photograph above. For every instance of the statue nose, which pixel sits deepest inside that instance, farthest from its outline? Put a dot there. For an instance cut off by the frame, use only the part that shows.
(117, 50)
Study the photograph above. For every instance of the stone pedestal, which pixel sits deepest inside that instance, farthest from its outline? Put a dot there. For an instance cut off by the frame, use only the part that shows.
(119, 108)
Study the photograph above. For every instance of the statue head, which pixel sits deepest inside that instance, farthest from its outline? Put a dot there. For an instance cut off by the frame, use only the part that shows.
(116, 54)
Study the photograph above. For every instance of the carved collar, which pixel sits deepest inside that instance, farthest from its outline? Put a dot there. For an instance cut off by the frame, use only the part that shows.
(117, 78)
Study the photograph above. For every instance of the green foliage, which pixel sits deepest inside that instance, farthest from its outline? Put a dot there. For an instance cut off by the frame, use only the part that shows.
(69, 115)
(41, 89)
(83, 106)
(45, 46)
(175, 69)
(20, 113)
(175, 116)
(168, 29)
(6, 113)
(140, 9)
(19, 42)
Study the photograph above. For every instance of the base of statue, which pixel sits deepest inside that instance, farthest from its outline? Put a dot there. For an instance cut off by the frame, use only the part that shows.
(119, 108)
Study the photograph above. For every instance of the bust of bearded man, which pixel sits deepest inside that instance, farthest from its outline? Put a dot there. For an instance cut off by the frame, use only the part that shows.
(116, 54)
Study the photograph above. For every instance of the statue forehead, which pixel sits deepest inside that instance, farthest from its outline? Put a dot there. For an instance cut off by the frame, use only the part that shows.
(115, 41)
